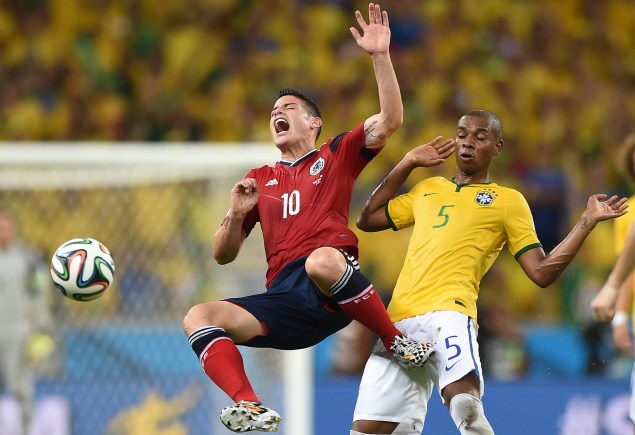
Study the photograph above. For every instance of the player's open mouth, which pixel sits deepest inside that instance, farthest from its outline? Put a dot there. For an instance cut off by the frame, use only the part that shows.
(281, 125)
(466, 156)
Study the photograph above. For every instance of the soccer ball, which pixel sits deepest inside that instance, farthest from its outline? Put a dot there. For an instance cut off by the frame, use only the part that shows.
(82, 269)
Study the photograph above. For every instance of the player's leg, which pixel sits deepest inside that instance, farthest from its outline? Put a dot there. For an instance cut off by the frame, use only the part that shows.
(466, 409)
(337, 275)
(213, 328)
(459, 372)
(391, 399)
(17, 375)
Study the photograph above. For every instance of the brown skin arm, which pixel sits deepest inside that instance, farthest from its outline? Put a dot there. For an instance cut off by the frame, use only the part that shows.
(373, 217)
(543, 269)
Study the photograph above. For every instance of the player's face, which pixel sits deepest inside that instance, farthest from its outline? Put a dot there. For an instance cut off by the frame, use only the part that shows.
(290, 123)
(476, 145)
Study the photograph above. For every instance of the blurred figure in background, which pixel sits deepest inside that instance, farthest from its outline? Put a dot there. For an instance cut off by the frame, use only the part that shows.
(24, 315)
(615, 300)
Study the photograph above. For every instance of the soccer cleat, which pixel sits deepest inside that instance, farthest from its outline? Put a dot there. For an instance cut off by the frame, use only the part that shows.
(410, 353)
(247, 416)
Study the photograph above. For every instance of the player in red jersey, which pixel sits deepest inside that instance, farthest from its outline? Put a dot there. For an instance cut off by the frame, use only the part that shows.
(314, 286)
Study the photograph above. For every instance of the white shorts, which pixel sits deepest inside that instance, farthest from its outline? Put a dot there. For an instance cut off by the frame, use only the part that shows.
(388, 392)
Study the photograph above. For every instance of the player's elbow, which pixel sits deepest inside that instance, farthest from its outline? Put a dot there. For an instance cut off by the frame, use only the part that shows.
(361, 223)
(542, 284)
(393, 121)
(222, 260)
(222, 256)
(543, 280)
(367, 225)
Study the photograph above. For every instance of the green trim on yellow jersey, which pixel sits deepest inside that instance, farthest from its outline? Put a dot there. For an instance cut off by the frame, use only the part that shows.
(392, 224)
(459, 231)
(527, 248)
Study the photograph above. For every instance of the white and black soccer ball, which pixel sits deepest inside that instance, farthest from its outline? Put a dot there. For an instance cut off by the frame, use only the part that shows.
(82, 269)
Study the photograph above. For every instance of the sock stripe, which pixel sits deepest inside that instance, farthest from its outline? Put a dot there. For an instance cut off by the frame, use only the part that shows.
(342, 281)
(350, 259)
(203, 338)
(204, 331)
(365, 291)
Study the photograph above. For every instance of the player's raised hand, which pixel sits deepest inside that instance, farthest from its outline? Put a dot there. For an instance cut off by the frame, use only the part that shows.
(432, 153)
(244, 196)
(375, 35)
(600, 209)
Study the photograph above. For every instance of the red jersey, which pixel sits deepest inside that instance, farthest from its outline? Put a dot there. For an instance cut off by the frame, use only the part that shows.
(305, 204)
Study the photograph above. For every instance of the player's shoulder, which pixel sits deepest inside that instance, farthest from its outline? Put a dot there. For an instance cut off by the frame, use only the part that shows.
(436, 182)
(261, 171)
(512, 196)
(510, 191)
(356, 135)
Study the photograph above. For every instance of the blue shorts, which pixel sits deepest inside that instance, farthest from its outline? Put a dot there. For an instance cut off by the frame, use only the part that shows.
(293, 311)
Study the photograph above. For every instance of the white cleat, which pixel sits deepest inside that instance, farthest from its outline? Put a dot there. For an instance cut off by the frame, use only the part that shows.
(411, 353)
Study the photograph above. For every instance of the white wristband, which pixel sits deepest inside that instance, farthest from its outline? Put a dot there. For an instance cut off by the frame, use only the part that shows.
(620, 318)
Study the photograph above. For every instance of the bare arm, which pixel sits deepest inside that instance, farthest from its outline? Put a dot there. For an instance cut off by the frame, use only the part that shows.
(376, 42)
(230, 236)
(622, 338)
(373, 217)
(603, 305)
(545, 269)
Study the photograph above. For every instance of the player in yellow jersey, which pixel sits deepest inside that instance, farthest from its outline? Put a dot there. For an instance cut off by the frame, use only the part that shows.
(615, 300)
(460, 227)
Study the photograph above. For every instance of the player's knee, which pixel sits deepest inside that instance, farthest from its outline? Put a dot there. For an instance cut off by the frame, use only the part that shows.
(469, 416)
(201, 315)
(325, 265)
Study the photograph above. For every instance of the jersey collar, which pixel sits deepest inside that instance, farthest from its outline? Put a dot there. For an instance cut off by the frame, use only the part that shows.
(300, 160)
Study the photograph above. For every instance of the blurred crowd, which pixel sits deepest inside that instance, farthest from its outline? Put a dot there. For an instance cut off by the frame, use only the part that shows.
(560, 74)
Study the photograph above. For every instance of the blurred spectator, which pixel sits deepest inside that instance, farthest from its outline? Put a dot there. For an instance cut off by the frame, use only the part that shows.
(500, 334)
(24, 318)
(545, 187)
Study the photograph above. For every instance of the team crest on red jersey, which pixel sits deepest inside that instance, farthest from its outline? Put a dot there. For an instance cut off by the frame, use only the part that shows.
(317, 167)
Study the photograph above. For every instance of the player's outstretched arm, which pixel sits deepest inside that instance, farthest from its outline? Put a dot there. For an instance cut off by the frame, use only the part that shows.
(373, 217)
(375, 40)
(230, 236)
(603, 305)
(545, 269)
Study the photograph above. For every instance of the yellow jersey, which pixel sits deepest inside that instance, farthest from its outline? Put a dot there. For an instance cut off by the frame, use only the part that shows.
(459, 230)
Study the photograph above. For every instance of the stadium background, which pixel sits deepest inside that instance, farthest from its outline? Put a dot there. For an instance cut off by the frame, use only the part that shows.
(560, 73)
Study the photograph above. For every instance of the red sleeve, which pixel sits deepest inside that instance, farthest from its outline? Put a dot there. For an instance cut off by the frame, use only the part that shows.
(350, 148)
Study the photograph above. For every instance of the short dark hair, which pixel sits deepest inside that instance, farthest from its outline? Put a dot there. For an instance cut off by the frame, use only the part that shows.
(493, 120)
(309, 104)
